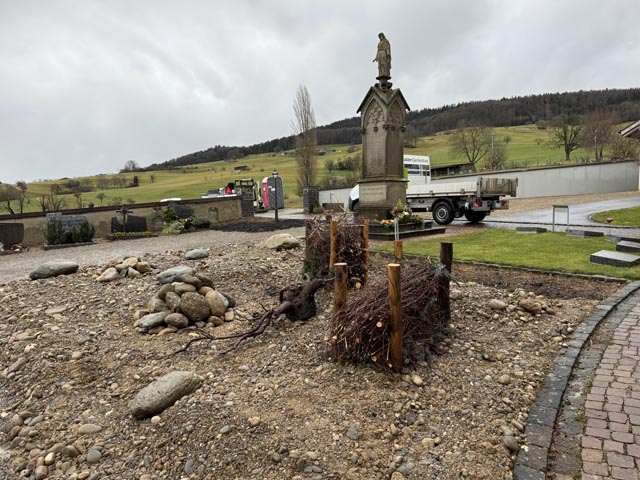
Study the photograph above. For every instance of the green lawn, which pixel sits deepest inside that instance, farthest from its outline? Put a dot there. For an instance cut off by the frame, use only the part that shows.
(546, 251)
(627, 216)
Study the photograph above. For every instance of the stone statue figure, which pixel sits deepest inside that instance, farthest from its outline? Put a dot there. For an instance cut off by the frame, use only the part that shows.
(383, 57)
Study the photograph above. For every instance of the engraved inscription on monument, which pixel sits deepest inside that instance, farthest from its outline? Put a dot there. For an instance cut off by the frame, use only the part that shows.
(373, 193)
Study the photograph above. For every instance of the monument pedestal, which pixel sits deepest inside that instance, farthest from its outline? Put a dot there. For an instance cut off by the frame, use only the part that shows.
(378, 197)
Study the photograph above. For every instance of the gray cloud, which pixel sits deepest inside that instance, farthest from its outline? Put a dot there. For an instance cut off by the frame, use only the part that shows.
(86, 86)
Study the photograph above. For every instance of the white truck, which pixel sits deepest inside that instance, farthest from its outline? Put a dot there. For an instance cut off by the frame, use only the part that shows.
(475, 199)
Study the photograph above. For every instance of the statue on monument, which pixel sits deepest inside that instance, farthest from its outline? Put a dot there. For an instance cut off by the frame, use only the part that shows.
(383, 57)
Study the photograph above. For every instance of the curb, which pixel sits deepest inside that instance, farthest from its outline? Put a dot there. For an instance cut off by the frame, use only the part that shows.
(532, 460)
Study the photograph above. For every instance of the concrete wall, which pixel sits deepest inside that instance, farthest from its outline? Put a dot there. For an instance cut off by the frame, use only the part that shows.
(570, 180)
(337, 195)
(215, 209)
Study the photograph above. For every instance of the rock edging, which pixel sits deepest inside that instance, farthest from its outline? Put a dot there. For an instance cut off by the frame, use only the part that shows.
(531, 463)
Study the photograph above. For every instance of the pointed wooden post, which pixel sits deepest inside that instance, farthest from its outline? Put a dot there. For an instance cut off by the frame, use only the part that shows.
(339, 297)
(395, 304)
(444, 298)
(333, 242)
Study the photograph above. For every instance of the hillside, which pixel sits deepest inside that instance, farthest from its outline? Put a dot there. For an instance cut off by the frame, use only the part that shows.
(506, 112)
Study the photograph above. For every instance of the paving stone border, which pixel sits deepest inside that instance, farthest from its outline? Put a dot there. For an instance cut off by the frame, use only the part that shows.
(533, 457)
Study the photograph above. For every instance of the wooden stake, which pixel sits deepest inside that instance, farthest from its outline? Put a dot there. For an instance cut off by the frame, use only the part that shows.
(334, 241)
(397, 249)
(444, 298)
(339, 298)
(395, 304)
(340, 288)
(365, 247)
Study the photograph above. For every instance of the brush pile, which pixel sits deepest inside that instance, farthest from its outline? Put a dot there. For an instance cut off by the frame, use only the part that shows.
(350, 248)
(361, 329)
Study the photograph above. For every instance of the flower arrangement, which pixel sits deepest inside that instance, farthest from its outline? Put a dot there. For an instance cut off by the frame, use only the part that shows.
(403, 214)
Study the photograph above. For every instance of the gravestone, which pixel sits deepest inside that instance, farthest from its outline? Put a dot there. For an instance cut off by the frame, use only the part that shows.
(614, 259)
(383, 126)
(11, 234)
(584, 233)
(133, 224)
(626, 246)
(531, 230)
(68, 222)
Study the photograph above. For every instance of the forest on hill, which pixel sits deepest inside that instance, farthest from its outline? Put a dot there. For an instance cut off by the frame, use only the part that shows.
(530, 109)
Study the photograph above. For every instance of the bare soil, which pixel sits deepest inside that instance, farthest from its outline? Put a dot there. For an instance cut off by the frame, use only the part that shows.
(277, 407)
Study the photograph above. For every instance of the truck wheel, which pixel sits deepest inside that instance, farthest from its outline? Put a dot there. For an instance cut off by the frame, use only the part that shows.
(354, 206)
(474, 217)
(443, 213)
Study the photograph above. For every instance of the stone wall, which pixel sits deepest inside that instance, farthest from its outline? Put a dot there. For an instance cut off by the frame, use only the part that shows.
(217, 210)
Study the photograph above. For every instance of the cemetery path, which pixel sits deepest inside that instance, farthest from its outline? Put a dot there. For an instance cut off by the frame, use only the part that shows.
(18, 266)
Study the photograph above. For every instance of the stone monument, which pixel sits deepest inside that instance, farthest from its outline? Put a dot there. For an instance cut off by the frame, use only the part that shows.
(383, 114)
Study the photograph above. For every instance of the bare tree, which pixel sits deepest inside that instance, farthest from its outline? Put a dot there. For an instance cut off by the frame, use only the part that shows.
(304, 130)
(8, 193)
(597, 131)
(498, 156)
(78, 197)
(472, 143)
(21, 186)
(101, 196)
(131, 166)
(565, 134)
(623, 148)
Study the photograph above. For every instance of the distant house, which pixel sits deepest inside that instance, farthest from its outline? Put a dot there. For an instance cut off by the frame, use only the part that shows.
(632, 131)
(241, 168)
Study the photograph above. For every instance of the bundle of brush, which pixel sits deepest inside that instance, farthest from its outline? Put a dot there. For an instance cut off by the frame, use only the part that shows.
(349, 248)
(360, 330)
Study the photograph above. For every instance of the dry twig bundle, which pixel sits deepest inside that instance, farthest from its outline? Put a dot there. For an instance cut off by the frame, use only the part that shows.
(361, 329)
(350, 248)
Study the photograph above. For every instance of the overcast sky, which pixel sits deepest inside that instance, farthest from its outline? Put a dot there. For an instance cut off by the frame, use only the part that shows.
(86, 85)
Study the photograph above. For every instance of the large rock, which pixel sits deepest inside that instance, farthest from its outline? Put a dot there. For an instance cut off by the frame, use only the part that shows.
(156, 305)
(172, 300)
(177, 320)
(197, 254)
(164, 392)
(281, 241)
(53, 269)
(170, 275)
(217, 303)
(194, 306)
(109, 275)
(152, 320)
(530, 306)
(230, 298)
(495, 304)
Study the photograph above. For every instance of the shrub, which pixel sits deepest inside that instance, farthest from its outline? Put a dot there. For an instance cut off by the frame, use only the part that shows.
(200, 222)
(55, 233)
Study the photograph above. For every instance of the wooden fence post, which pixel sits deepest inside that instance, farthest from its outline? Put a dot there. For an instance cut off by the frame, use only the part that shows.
(339, 297)
(333, 242)
(444, 299)
(395, 304)
(397, 249)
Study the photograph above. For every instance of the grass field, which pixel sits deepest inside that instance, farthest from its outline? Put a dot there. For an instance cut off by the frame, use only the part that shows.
(527, 147)
(546, 251)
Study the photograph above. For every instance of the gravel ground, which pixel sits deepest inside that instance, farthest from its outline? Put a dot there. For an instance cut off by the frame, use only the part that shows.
(276, 407)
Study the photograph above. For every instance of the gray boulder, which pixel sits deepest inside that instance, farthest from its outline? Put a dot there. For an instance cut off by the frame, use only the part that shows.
(156, 305)
(170, 275)
(164, 392)
(196, 254)
(152, 320)
(176, 320)
(194, 306)
(230, 298)
(217, 303)
(53, 269)
(281, 241)
(172, 300)
(109, 275)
